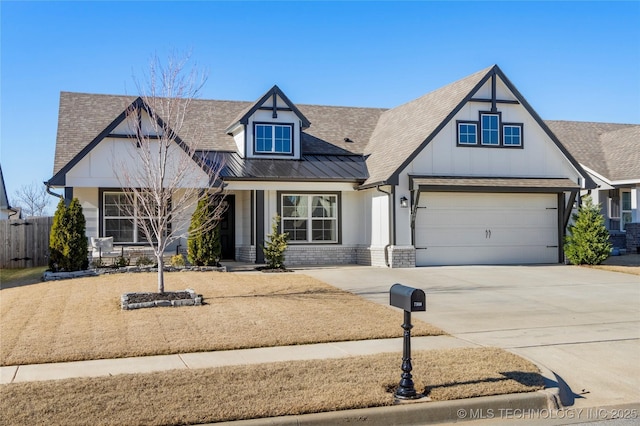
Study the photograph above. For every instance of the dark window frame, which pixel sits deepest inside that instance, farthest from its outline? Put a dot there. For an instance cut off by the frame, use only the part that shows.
(463, 122)
(337, 194)
(273, 125)
(521, 127)
(479, 132)
(102, 218)
(498, 129)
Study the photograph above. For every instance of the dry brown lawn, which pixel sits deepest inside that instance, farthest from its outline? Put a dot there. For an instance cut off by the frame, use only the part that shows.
(264, 390)
(81, 319)
(628, 263)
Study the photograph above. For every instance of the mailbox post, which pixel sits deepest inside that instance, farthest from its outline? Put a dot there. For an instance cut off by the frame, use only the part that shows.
(410, 300)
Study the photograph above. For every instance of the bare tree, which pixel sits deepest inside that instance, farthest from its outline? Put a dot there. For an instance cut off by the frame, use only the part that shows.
(32, 199)
(165, 174)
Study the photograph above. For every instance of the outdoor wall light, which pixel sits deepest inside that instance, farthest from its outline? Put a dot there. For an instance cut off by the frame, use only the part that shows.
(404, 202)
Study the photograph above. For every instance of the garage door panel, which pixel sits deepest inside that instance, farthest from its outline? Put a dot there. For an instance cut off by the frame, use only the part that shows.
(477, 228)
(506, 255)
(488, 217)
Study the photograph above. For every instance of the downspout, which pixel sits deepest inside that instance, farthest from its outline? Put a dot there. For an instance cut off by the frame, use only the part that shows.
(14, 210)
(52, 193)
(392, 211)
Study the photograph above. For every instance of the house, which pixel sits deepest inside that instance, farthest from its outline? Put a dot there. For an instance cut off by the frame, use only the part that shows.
(610, 154)
(6, 211)
(466, 174)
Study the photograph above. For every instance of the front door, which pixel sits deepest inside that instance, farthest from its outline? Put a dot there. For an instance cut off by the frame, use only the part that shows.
(227, 229)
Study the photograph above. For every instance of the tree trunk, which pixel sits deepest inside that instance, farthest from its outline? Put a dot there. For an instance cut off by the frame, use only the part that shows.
(160, 273)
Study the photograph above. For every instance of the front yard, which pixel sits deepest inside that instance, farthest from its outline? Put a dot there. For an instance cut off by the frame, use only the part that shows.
(81, 319)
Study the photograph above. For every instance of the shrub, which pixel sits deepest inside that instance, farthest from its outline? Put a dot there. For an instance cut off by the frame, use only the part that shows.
(121, 261)
(274, 248)
(76, 250)
(144, 261)
(68, 242)
(203, 245)
(588, 239)
(57, 239)
(178, 261)
(97, 263)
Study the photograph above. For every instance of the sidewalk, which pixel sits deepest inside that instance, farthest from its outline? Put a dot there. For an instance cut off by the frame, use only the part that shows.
(401, 414)
(149, 364)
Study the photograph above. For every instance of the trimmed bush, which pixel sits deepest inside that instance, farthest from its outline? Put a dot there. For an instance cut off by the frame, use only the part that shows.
(588, 239)
(203, 245)
(57, 239)
(68, 241)
(177, 261)
(275, 247)
(76, 251)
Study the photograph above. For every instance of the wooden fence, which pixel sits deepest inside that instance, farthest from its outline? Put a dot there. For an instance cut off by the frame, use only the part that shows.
(25, 242)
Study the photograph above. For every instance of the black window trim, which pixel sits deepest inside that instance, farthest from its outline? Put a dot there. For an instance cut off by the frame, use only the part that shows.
(458, 123)
(499, 129)
(521, 126)
(101, 192)
(273, 154)
(338, 195)
(478, 125)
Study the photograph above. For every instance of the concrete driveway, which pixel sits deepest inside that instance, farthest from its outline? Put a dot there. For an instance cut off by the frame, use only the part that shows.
(582, 324)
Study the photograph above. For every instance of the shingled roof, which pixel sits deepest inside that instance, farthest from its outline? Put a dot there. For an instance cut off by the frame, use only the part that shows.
(401, 131)
(336, 130)
(387, 138)
(611, 150)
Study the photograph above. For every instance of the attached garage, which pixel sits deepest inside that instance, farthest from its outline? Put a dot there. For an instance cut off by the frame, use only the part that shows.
(489, 224)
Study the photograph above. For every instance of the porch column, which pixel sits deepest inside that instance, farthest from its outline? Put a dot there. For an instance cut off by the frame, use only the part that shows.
(259, 215)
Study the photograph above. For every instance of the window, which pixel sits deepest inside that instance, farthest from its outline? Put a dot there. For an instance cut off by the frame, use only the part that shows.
(626, 213)
(310, 218)
(273, 138)
(491, 131)
(490, 124)
(512, 135)
(122, 220)
(467, 133)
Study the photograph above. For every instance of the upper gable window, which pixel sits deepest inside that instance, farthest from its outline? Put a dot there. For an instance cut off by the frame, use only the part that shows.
(273, 138)
(512, 135)
(490, 124)
(489, 131)
(467, 133)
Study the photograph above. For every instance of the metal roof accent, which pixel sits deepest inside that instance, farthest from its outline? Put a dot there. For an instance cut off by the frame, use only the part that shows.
(325, 168)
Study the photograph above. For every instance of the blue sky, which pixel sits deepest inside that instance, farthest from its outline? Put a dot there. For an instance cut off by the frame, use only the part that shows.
(571, 60)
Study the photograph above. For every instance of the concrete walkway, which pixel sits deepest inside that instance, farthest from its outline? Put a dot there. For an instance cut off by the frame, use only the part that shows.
(149, 364)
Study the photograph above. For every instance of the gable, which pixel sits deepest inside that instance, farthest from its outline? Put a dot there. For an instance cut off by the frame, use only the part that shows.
(404, 132)
(532, 155)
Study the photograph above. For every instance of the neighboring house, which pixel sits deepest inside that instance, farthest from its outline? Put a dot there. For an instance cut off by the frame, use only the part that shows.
(6, 211)
(610, 153)
(467, 174)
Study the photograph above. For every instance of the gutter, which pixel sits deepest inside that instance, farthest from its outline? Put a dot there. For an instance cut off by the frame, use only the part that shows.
(392, 214)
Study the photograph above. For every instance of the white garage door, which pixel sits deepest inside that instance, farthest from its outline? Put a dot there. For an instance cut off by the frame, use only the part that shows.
(457, 228)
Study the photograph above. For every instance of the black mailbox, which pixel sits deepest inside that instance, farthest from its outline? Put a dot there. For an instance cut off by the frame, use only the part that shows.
(408, 298)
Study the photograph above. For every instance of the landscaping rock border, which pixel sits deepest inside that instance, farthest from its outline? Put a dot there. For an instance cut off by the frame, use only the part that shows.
(52, 276)
(193, 300)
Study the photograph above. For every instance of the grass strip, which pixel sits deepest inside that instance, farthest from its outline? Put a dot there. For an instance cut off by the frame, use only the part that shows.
(264, 390)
